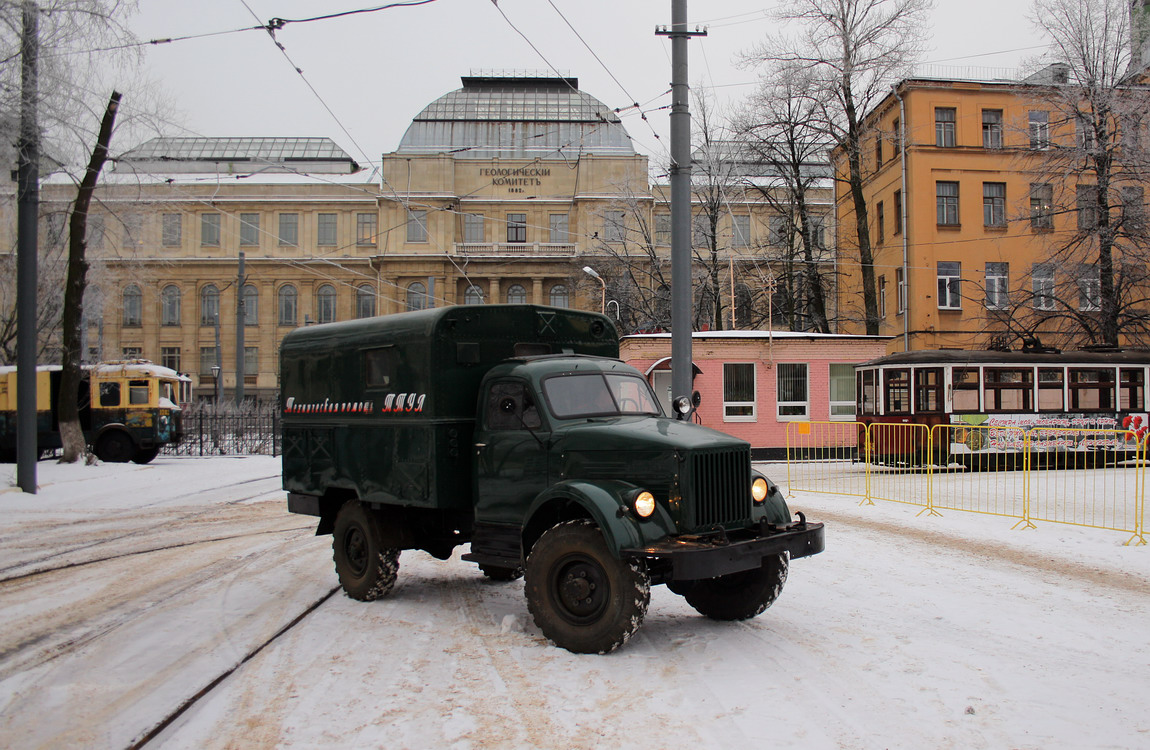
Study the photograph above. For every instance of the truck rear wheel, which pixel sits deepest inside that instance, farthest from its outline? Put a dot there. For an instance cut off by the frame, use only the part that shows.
(582, 597)
(366, 568)
(737, 596)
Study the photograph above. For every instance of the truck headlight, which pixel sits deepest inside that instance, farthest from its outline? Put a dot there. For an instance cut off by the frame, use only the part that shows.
(644, 504)
(759, 490)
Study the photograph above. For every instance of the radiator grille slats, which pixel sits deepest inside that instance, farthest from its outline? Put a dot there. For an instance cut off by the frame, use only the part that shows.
(720, 485)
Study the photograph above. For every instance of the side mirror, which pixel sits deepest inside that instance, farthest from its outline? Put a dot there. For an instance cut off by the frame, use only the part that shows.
(696, 399)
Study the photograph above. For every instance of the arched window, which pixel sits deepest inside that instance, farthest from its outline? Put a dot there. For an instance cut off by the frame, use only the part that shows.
(251, 305)
(365, 301)
(559, 296)
(325, 304)
(133, 305)
(473, 296)
(209, 305)
(170, 305)
(742, 306)
(288, 298)
(516, 294)
(416, 296)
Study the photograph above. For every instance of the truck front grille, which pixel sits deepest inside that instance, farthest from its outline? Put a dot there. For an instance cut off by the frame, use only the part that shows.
(720, 487)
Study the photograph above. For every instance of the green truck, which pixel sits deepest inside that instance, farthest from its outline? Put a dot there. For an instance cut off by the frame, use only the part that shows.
(516, 429)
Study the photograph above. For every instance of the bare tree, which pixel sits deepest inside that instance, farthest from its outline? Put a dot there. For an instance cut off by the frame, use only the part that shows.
(1094, 167)
(855, 50)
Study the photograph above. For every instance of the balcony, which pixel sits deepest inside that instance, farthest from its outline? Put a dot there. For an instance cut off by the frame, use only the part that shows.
(514, 249)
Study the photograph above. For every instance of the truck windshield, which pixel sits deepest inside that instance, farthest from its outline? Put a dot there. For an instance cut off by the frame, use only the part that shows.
(599, 395)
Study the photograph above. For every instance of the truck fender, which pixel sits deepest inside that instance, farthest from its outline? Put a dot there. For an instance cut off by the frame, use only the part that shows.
(605, 503)
(775, 506)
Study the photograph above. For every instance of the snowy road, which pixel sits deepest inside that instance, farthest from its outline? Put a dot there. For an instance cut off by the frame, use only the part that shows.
(126, 592)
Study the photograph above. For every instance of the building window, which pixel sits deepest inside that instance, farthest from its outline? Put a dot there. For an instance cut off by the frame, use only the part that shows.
(944, 122)
(1087, 207)
(1133, 211)
(662, 229)
(743, 302)
(896, 136)
(416, 225)
(741, 230)
(326, 230)
(289, 230)
(947, 202)
(208, 360)
(880, 220)
(1038, 125)
(133, 229)
(882, 296)
(818, 228)
(173, 230)
(365, 301)
(1041, 205)
(558, 226)
(777, 231)
(95, 231)
(898, 212)
(842, 387)
(249, 229)
(614, 226)
(992, 128)
(133, 352)
(949, 281)
(997, 286)
(994, 204)
(1089, 288)
(474, 229)
(210, 230)
(516, 294)
(251, 361)
(1042, 281)
(251, 298)
(209, 305)
(473, 296)
(365, 229)
(791, 387)
(325, 304)
(701, 231)
(878, 151)
(170, 357)
(133, 306)
(738, 392)
(1084, 133)
(170, 305)
(559, 296)
(516, 227)
(900, 289)
(288, 299)
(416, 296)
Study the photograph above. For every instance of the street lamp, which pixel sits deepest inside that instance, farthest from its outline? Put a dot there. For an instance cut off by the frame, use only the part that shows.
(219, 385)
(603, 302)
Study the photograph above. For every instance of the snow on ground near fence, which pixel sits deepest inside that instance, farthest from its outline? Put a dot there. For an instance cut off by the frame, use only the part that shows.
(908, 632)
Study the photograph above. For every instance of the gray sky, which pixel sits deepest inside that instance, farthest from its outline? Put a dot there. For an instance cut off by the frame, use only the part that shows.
(376, 71)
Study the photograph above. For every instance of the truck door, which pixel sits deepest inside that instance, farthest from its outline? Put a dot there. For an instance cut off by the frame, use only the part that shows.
(510, 453)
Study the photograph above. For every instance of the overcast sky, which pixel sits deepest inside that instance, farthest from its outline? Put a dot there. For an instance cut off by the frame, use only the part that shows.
(376, 71)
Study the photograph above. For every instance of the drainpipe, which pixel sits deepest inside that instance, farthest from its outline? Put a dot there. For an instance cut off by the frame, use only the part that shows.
(902, 220)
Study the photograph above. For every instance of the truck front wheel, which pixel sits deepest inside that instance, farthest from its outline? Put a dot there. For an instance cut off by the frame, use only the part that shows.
(582, 597)
(366, 568)
(737, 596)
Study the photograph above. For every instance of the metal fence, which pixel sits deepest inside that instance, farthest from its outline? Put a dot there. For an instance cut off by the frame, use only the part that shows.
(228, 431)
(1092, 478)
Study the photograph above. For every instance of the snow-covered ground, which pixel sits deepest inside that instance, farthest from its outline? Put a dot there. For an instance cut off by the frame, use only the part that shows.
(128, 592)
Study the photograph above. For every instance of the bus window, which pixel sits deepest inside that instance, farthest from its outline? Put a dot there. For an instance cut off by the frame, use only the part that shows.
(1131, 396)
(866, 392)
(965, 394)
(928, 390)
(1091, 389)
(1008, 390)
(897, 391)
(138, 392)
(1050, 381)
(110, 394)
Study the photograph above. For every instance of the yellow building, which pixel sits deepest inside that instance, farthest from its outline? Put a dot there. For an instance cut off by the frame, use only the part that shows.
(967, 215)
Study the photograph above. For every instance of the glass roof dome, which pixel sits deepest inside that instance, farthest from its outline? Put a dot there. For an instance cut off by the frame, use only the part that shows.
(523, 117)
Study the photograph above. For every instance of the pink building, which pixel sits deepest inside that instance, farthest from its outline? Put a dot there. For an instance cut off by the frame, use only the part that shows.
(754, 383)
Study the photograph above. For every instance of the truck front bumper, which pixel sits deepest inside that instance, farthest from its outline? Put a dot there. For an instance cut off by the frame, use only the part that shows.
(692, 558)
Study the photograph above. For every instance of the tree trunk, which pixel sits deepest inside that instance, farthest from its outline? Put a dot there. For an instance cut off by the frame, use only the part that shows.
(862, 230)
(71, 433)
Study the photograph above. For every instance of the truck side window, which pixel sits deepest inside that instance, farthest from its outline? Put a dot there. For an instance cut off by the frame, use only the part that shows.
(381, 366)
(510, 406)
(137, 392)
(109, 394)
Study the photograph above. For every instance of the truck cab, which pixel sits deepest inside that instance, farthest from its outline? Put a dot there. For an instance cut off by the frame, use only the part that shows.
(515, 429)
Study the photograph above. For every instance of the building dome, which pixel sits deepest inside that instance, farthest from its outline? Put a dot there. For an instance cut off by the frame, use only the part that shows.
(517, 118)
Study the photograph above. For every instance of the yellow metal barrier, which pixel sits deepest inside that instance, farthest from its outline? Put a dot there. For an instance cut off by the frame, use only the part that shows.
(824, 457)
(898, 465)
(980, 469)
